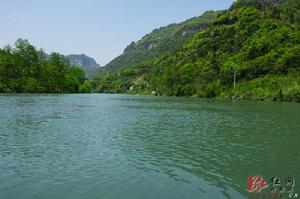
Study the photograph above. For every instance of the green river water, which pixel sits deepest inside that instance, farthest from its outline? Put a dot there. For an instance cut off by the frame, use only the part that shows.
(143, 147)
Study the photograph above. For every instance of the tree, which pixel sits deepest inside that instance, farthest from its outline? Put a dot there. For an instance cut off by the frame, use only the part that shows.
(24, 69)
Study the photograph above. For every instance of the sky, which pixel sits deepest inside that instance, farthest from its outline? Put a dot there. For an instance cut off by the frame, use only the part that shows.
(98, 28)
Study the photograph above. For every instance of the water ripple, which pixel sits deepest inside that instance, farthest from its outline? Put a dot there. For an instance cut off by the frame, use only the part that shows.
(119, 146)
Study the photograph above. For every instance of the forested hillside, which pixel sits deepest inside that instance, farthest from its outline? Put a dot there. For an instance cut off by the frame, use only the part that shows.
(161, 40)
(24, 69)
(250, 51)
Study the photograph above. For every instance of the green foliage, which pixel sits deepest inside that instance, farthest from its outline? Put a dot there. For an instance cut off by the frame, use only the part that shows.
(85, 88)
(269, 87)
(255, 44)
(25, 69)
(162, 40)
(290, 11)
(257, 3)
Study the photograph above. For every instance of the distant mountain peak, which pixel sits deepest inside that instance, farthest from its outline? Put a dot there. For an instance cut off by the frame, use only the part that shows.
(85, 62)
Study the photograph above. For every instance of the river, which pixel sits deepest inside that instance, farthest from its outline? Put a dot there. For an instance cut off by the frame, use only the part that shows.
(131, 147)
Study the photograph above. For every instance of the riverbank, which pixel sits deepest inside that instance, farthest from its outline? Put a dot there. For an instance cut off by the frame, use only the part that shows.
(268, 88)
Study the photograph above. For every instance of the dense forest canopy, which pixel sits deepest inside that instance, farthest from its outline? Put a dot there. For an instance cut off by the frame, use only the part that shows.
(249, 51)
(161, 40)
(26, 69)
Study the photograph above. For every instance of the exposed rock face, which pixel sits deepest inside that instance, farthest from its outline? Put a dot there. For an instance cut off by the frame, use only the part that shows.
(152, 45)
(161, 40)
(130, 48)
(86, 63)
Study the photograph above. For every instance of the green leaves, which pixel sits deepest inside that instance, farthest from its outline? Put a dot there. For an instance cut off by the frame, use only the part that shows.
(161, 41)
(24, 69)
(253, 44)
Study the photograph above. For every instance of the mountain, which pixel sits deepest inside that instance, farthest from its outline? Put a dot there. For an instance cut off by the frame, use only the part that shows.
(250, 51)
(88, 64)
(162, 40)
(25, 69)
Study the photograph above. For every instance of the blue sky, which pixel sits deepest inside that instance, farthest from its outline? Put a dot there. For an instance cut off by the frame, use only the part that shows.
(98, 28)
